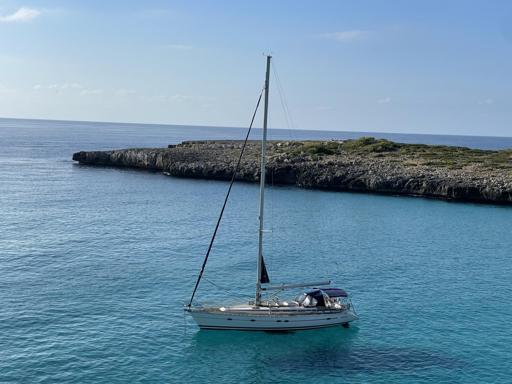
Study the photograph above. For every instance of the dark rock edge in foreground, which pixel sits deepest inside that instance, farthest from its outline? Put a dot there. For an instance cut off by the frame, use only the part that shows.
(363, 165)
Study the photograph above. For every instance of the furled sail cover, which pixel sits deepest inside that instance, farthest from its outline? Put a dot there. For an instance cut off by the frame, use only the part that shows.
(264, 275)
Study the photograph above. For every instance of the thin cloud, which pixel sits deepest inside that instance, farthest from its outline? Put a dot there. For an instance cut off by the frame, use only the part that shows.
(71, 86)
(57, 87)
(385, 100)
(183, 47)
(178, 97)
(4, 89)
(87, 92)
(23, 14)
(346, 36)
(486, 102)
(125, 92)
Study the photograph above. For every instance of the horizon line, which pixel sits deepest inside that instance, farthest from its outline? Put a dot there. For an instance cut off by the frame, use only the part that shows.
(239, 127)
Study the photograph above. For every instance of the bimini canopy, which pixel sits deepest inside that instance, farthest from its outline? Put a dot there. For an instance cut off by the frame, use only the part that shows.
(331, 292)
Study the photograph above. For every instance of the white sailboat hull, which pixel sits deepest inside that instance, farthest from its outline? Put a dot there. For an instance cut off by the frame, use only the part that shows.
(265, 319)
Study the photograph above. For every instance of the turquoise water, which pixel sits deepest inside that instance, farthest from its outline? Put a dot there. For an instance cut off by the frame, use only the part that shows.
(96, 263)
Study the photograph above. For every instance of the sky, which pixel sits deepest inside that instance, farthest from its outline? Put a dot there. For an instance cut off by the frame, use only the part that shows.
(439, 67)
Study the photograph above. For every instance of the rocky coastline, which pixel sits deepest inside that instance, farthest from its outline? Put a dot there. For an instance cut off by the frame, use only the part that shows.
(363, 165)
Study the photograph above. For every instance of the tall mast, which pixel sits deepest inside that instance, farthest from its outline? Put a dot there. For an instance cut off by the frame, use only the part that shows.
(262, 185)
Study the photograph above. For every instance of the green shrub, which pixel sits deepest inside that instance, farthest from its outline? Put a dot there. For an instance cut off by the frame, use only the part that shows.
(371, 144)
(319, 148)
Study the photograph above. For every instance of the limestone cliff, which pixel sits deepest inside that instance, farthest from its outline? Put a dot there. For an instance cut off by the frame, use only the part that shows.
(364, 165)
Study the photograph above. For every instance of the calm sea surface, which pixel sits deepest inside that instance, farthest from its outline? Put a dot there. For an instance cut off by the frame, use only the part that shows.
(96, 264)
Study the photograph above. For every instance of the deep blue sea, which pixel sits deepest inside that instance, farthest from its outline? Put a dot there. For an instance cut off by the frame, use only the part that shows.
(96, 264)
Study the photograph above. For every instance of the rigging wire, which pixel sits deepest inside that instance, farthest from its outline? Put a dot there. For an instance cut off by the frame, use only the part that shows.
(272, 247)
(272, 191)
(282, 97)
(289, 134)
(230, 291)
(237, 167)
(289, 120)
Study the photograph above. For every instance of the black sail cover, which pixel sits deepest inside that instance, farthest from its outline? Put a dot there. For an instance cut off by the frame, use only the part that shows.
(264, 274)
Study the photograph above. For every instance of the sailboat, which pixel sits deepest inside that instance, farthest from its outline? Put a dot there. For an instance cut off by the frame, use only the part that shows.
(317, 306)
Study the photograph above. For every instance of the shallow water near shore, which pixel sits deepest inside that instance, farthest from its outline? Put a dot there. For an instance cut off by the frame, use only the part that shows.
(96, 264)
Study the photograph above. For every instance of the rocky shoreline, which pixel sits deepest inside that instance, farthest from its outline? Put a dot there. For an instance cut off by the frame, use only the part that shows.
(363, 165)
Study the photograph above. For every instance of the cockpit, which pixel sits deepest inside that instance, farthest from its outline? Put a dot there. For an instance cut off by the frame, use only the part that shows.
(321, 298)
(334, 298)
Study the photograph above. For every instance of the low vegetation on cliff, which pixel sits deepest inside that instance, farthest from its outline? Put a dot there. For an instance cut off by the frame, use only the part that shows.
(414, 154)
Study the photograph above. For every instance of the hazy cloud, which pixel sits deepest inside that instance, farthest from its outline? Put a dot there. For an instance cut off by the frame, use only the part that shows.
(57, 87)
(178, 97)
(125, 92)
(71, 86)
(4, 89)
(486, 102)
(87, 92)
(21, 15)
(183, 47)
(346, 36)
(384, 100)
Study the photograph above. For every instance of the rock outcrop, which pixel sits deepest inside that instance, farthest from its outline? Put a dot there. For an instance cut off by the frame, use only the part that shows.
(364, 165)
